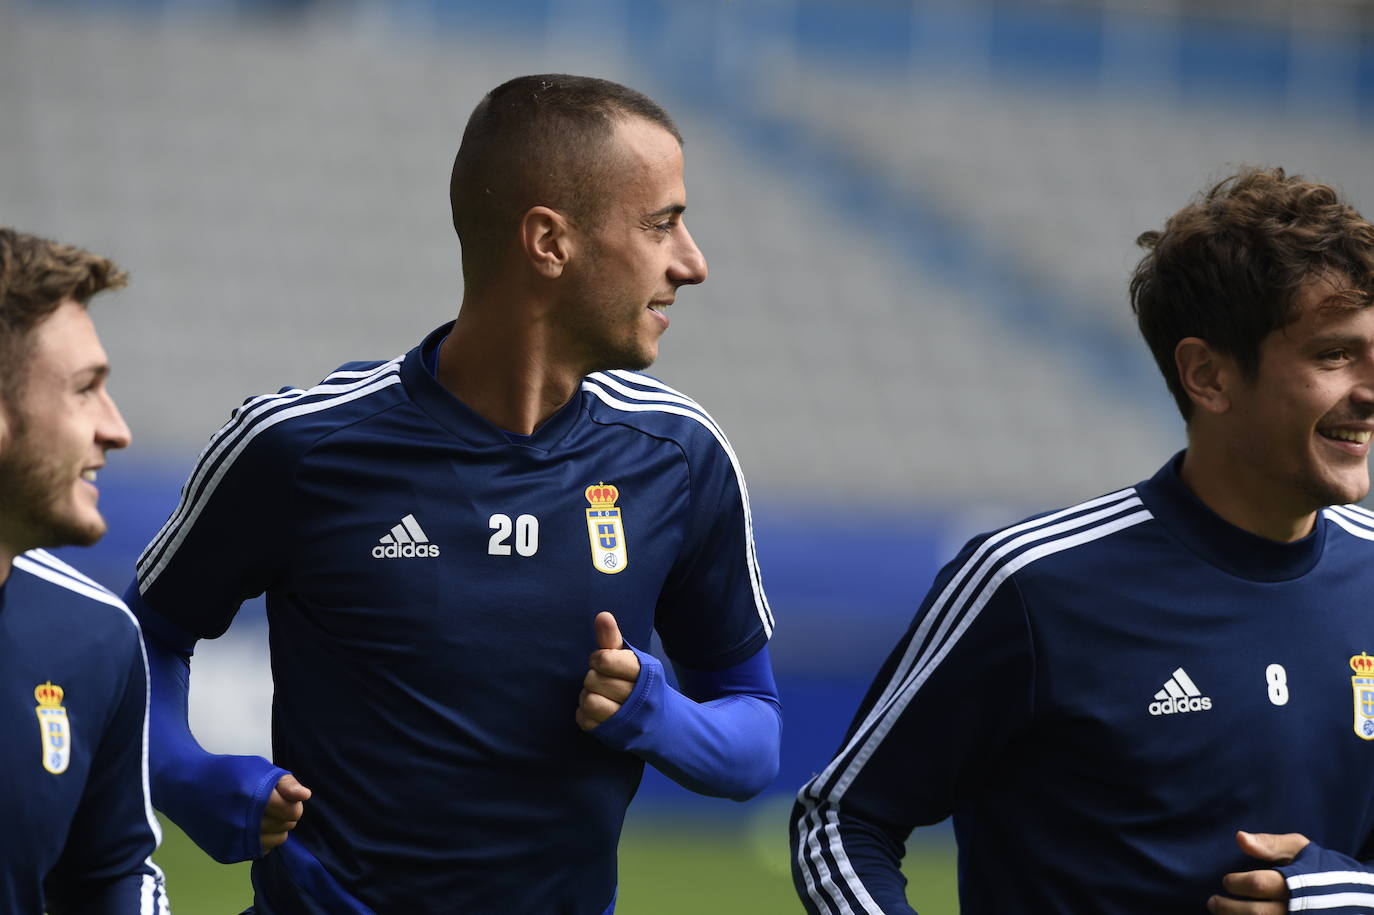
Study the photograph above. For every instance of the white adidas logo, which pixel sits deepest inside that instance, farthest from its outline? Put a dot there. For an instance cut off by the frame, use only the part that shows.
(1180, 694)
(407, 540)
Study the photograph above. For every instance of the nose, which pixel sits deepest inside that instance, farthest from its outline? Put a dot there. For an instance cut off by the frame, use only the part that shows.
(1363, 392)
(689, 266)
(112, 432)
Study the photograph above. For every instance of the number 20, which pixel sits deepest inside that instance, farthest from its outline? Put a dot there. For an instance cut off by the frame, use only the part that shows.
(526, 535)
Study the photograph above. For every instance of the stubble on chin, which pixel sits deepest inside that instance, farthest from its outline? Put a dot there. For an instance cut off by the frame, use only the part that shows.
(1337, 491)
(37, 497)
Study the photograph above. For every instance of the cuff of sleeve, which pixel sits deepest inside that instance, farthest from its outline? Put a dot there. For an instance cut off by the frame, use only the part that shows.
(219, 801)
(1327, 880)
(252, 828)
(624, 729)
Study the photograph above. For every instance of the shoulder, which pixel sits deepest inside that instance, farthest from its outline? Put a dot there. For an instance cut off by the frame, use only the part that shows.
(1353, 521)
(62, 598)
(1064, 540)
(284, 424)
(644, 403)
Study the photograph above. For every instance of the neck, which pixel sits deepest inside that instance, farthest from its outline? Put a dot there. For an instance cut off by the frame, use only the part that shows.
(503, 362)
(1237, 493)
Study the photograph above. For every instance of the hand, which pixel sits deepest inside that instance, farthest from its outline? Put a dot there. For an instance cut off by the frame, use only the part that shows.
(613, 670)
(284, 809)
(1266, 886)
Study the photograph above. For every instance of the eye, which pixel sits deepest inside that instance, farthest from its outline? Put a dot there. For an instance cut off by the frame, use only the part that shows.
(1334, 356)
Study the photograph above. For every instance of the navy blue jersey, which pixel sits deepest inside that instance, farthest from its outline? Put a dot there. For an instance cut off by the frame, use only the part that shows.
(431, 587)
(1101, 697)
(79, 828)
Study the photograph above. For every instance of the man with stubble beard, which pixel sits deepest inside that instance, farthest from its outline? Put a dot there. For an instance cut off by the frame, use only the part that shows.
(79, 828)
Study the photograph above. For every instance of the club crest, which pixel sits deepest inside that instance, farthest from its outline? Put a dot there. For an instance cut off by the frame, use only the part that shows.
(1363, 686)
(605, 530)
(54, 730)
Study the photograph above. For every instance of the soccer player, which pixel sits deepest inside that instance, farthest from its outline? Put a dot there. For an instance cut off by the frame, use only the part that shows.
(445, 536)
(1103, 696)
(79, 828)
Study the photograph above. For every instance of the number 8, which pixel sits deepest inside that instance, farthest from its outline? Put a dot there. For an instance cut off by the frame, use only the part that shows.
(1278, 683)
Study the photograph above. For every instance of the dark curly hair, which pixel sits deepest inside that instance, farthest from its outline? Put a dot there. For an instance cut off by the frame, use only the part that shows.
(1227, 268)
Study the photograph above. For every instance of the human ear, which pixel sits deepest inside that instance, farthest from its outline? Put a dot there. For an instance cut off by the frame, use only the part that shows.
(1205, 374)
(545, 238)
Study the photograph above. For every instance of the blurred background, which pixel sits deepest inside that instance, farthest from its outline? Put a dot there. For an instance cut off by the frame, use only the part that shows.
(919, 217)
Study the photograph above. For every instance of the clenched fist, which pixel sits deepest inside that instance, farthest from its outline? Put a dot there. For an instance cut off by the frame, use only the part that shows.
(612, 672)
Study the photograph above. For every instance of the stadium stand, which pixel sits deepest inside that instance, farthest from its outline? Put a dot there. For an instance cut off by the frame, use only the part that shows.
(919, 220)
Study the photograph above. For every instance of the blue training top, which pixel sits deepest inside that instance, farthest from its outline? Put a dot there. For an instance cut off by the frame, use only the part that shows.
(75, 804)
(431, 587)
(1101, 697)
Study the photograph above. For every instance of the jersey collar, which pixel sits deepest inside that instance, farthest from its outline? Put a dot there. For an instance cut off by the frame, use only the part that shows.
(1221, 543)
(462, 421)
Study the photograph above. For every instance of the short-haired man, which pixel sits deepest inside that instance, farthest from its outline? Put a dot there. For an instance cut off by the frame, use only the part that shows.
(79, 828)
(1103, 696)
(436, 535)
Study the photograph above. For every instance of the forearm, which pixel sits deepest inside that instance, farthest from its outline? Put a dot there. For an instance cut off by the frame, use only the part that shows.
(1327, 880)
(724, 746)
(217, 800)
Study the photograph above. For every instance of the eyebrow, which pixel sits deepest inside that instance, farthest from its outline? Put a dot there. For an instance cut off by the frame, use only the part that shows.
(1326, 341)
(96, 372)
(672, 209)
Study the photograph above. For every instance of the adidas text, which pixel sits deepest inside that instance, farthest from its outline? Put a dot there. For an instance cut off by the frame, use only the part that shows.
(1179, 706)
(404, 550)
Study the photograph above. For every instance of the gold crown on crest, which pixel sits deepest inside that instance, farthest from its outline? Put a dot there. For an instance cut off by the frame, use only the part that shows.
(50, 696)
(1362, 664)
(603, 495)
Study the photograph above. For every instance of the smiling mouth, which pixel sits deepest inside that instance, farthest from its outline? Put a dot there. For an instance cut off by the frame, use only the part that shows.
(88, 476)
(1358, 436)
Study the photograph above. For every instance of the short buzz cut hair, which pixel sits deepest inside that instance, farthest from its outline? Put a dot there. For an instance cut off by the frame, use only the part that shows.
(538, 141)
(1228, 267)
(36, 276)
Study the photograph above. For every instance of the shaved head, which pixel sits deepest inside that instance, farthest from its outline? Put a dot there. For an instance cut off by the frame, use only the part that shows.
(541, 140)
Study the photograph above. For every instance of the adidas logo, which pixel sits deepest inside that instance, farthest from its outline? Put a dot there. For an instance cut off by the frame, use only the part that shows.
(1179, 695)
(407, 540)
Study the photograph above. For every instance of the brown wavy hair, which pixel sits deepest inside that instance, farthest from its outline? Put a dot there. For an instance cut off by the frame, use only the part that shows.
(36, 276)
(1228, 266)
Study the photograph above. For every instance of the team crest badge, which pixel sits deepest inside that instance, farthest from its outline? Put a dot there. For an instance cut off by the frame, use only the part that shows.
(1363, 686)
(605, 530)
(54, 730)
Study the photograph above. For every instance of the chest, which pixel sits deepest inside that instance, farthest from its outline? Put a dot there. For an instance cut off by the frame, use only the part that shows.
(505, 544)
(1194, 671)
(52, 713)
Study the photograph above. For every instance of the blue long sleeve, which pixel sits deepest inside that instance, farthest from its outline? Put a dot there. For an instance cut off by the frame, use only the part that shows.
(216, 800)
(1323, 879)
(718, 737)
